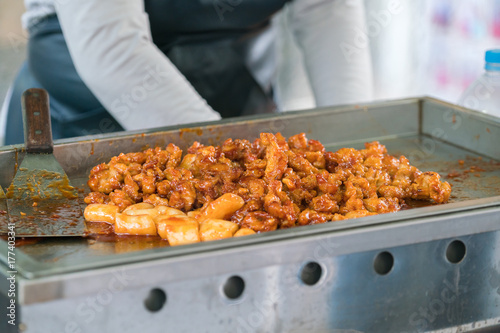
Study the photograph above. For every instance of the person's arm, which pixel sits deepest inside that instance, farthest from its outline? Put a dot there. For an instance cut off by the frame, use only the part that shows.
(111, 47)
(336, 51)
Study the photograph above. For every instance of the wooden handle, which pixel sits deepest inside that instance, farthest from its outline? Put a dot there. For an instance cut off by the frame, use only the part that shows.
(36, 121)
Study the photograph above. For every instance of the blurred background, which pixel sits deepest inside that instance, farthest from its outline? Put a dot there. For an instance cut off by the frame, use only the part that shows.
(429, 47)
(433, 47)
(12, 43)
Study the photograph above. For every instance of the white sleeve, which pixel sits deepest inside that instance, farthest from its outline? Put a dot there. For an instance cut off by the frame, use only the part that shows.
(335, 47)
(111, 47)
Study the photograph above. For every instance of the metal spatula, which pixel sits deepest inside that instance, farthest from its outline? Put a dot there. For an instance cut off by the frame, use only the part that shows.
(40, 200)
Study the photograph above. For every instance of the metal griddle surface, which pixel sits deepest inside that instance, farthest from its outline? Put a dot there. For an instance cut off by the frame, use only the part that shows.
(466, 186)
(473, 181)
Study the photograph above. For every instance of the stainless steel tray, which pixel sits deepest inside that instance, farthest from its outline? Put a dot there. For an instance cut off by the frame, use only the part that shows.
(434, 135)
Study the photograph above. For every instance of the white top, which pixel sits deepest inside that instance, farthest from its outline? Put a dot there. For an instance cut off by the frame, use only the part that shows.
(111, 46)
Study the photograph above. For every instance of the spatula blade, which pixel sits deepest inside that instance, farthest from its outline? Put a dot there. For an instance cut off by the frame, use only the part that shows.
(40, 177)
(41, 202)
(52, 217)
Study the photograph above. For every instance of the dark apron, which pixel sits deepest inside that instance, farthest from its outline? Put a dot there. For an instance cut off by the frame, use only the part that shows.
(205, 39)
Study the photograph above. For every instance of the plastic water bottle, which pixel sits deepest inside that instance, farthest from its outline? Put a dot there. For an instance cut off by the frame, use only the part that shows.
(484, 93)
